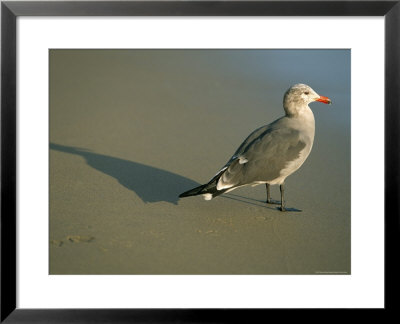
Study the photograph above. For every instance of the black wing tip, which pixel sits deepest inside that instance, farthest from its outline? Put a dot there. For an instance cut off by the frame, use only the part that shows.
(184, 194)
(192, 192)
(208, 188)
(201, 191)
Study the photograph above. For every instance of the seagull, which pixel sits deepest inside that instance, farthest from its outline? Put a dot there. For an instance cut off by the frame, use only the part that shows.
(272, 152)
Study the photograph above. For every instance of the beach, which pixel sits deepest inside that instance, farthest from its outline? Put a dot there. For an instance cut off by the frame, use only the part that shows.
(132, 129)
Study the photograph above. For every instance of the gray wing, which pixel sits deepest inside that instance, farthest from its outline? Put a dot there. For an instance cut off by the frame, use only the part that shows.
(262, 156)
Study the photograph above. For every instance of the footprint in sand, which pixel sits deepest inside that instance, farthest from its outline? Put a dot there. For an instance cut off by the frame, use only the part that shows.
(80, 239)
(56, 243)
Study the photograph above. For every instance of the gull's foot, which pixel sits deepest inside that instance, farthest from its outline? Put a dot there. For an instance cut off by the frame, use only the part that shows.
(273, 202)
(286, 209)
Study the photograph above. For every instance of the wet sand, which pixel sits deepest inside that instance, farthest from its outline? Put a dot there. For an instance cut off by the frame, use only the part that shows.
(131, 130)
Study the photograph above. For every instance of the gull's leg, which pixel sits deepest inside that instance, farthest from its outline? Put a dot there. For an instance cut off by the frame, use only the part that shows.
(268, 193)
(282, 188)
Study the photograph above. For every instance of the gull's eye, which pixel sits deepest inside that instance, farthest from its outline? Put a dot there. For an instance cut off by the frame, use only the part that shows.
(306, 93)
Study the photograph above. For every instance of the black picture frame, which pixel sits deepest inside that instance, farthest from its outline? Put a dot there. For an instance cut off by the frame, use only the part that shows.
(11, 10)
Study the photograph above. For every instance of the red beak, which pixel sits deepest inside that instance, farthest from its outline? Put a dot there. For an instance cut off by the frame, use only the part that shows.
(325, 100)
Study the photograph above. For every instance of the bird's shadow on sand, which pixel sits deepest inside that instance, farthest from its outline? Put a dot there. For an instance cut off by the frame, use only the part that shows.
(151, 184)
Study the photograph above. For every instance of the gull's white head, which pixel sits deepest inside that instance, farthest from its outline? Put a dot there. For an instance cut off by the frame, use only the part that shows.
(299, 97)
